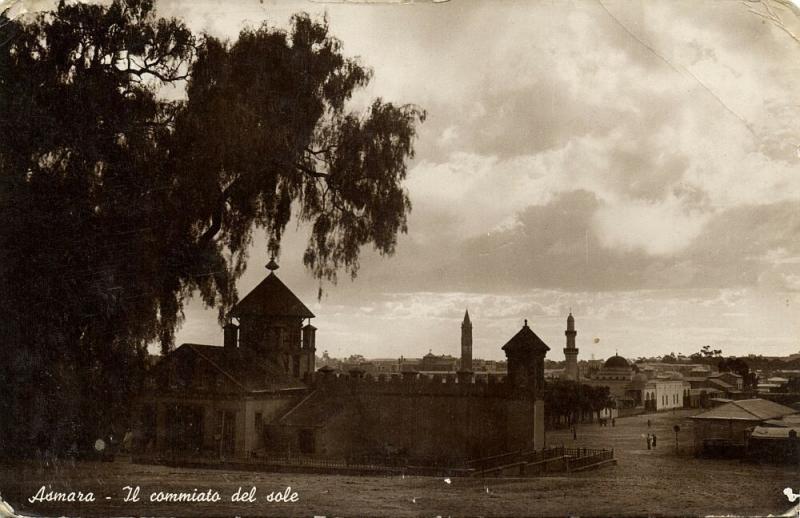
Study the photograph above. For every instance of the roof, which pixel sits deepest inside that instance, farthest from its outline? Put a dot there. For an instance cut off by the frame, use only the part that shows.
(616, 362)
(765, 432)
(721, 384)
(786, 421)
(747, 410)
(241, 366)
(315, 410)
(271, 298)
(525, 339)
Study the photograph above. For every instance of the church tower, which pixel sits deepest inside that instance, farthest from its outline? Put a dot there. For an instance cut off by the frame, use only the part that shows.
(570, 351)
(271, 321)
(466, 343)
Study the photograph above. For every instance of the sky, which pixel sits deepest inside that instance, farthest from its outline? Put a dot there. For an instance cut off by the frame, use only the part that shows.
(635, 162)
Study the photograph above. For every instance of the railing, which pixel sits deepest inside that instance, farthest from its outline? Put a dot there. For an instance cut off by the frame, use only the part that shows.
(573, 459)
(588, 458)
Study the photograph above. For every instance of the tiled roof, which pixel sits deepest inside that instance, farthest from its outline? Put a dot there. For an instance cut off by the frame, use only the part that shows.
(271, 298)
(525, 339)
(748, 410)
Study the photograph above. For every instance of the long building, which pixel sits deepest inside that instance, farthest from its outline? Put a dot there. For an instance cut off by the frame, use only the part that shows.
(260, 394)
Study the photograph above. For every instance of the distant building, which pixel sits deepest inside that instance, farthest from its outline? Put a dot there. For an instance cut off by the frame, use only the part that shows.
(653, 391)
(466, 344)
(437, 363)
(570, 351)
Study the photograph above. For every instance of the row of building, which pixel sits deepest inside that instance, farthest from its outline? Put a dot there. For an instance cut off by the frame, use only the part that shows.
(652, 386)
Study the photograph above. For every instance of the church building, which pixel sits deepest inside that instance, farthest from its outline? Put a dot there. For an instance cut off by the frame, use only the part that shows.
(259, 394)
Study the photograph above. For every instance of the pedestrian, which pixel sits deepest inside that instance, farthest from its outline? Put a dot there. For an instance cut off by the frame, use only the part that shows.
(613, 422)
(648, 423)
(649, 439)
(654, 441)
(574, 434)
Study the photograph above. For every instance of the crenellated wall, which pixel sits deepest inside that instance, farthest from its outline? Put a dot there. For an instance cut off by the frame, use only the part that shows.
(420, 419)
(417, 384)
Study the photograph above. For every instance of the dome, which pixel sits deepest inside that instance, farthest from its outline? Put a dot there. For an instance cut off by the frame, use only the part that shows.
(616, 362)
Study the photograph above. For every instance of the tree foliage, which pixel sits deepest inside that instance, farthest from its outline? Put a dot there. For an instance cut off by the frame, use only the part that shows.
(117, 203)
(568, 402)
(739, 366)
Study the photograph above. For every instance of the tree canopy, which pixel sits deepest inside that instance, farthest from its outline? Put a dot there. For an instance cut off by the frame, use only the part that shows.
(118, 203)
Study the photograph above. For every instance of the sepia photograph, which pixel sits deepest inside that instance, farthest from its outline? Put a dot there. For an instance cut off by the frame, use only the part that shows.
(399, 258)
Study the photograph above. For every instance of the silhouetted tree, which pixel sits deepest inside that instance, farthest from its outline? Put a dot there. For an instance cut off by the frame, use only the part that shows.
(669, 358)
(118, 204)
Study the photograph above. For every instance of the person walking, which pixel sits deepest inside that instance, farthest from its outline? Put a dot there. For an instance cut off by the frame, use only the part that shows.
(649, 439)
(574, 434)
(613, 422)
(648, 423)
(654, 441)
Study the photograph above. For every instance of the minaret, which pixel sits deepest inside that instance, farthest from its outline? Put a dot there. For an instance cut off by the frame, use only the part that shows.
(570, 351)
(466, 343)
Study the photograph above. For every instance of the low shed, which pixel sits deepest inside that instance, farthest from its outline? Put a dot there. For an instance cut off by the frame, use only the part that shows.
(774, 444)
(728, 426)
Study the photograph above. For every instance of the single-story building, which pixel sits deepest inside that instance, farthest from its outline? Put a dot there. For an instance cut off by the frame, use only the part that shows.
(774, 444)
(728, 426)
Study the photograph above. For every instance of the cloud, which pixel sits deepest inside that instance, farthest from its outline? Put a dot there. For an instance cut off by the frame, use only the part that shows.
(637, 162)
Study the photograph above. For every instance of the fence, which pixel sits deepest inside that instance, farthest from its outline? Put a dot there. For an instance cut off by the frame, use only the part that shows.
(519, 462)
(535, 461)
(585, 457)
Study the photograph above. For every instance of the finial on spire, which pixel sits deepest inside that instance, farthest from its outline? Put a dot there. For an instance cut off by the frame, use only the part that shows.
(272, 265)
(526, 322)
(466, 317)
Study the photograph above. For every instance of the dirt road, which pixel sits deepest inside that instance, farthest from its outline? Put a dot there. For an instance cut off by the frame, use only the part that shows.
(645, 482)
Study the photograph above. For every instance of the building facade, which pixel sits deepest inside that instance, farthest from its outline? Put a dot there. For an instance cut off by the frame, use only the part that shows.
(259, 394)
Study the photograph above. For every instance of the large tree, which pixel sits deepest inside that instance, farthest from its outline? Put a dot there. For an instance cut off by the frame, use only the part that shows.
(118, 203)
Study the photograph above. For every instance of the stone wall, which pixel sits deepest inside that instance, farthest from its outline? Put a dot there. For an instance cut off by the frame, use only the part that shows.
(430, 421)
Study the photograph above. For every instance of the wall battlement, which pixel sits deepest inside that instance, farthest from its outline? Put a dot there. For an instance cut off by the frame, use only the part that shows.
(418, 385)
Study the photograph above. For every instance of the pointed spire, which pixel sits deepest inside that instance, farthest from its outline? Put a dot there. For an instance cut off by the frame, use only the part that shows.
(466, 317)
